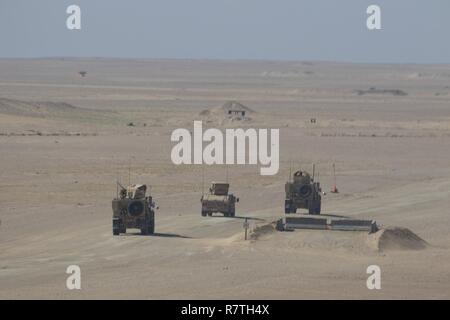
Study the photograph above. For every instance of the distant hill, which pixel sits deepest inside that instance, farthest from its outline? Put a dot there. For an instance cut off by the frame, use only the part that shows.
(47, 110)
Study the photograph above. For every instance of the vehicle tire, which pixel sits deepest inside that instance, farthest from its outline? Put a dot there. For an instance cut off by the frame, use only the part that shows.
(204, 213)
(210, 214)
(144, 230)
(287, 206)
(151, 228)
(314, 208)
(233, 213)
(116, 227)
(287, 209)
(317, 208)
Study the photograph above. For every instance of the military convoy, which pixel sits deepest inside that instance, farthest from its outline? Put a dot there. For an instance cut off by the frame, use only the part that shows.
(219, 200)
(302, 192)
(133, 209)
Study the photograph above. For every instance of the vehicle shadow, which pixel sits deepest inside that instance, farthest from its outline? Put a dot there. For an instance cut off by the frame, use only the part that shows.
(169, 235)
(156, 234)
(238, 217)
(332, 215)
(249, 218)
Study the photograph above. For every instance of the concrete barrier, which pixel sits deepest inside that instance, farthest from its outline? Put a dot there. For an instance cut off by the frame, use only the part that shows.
(353, 225)
(305, 223)
(292, 223)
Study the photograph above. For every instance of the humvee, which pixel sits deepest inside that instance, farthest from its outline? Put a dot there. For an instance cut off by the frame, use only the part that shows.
(218, 200)
(302, 193)
(133, 209)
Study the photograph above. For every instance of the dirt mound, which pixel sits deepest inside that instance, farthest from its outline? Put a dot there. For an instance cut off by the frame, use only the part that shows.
(230, 110)
(257, 231)
(386, 239)
(396, 238)
(262, 230)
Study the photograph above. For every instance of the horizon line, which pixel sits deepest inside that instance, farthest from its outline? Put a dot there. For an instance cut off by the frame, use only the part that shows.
(256, 60)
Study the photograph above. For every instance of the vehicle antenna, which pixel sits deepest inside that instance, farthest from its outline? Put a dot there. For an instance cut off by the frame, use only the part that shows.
(334, 189)
(203, 181)
(129, 173)
(290, 170)
(117, 187)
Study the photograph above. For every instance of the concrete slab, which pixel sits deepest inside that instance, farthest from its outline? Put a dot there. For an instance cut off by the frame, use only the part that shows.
(305, 223)
(353, 225)
(318, 223)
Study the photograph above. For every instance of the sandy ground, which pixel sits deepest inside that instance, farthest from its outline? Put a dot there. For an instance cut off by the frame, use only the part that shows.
(64, 140)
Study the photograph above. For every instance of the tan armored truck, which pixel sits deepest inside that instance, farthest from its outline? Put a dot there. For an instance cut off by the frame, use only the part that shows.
(302, 193)
(218, 200)
(133, 209)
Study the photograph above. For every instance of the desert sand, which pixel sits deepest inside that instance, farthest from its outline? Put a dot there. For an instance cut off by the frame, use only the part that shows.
(65, 139)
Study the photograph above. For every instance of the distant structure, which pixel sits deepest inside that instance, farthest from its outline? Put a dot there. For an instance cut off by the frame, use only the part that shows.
(236, 111)
(229, 111)
(82, 73)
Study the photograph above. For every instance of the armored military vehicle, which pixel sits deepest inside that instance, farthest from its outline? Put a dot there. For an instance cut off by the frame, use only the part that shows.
(302, 193)
(218, 200)
(133, 209)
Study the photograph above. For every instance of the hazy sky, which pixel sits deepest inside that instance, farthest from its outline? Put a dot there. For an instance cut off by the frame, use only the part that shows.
(333, 30)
